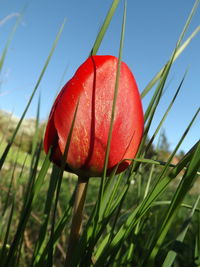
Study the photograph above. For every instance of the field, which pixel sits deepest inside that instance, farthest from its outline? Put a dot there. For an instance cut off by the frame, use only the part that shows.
(148, 215)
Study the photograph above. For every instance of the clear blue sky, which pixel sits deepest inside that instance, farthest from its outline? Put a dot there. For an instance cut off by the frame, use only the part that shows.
(152, 29)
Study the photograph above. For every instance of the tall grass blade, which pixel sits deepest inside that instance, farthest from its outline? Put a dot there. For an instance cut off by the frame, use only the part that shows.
(60, 176)
(35, 136)
(61, 224)
(113, 112)
(46, 249)
(98, 212)
(177, 54)
(3, 56)
(165, 115)
(180, 48)
(197, 243)
(31, 98)
(104, 27)
(3, 251)
(184, 186)
(25, 213)
(8, 195)
(46, 214)
(151, 109)
(32, 176)
(171, 255)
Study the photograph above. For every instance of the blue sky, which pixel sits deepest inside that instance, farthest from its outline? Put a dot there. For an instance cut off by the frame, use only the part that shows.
(152, 30)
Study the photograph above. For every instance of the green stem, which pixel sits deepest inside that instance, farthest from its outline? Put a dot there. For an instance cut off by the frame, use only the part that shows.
(76, 218)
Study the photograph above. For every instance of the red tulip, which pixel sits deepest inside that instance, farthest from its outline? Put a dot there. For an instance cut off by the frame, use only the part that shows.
(93, 86)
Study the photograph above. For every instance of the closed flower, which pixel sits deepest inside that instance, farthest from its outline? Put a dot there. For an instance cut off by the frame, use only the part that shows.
(92, 89)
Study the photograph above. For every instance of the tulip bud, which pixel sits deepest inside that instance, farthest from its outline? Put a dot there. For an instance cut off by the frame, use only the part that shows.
(92, 89)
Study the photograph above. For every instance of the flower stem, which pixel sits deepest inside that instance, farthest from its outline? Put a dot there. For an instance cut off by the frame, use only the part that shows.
(77, 218)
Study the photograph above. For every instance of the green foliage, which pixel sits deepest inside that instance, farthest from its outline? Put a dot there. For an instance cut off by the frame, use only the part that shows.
(147, 216)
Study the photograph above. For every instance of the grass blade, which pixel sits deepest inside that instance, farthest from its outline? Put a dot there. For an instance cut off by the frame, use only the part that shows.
(165, 115)
(3, 56)
(35, 136)
(180, 48)
(31, 98)
(98, 212)
(177, 54)
(197, 244)
(185, 185)
(113, 111)
(172, 254)
(26, 211)
(3, 248)
(46, 214)
(104, 27)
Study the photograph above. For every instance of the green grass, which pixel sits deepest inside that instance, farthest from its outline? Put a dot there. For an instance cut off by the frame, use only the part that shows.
(15, 152)
(147, 216)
